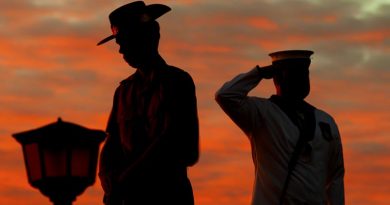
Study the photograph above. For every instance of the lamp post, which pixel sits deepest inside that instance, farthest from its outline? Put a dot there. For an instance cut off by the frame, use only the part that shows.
(61, 159)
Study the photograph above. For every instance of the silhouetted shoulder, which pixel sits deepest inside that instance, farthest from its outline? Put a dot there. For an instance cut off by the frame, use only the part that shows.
(323, 116)
(128, 79)
(173, 71)
(178, 77)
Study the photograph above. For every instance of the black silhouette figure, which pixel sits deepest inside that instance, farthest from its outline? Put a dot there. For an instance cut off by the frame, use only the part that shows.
(296, 147)
(153, 126)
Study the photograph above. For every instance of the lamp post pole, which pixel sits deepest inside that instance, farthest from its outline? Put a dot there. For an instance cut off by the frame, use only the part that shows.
(64, 202)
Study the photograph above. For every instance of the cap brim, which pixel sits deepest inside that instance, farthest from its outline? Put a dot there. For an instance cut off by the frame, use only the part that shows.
(109, 38)
(290, 54)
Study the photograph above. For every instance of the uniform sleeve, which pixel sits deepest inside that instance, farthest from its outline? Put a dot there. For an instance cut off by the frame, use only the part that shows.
(233, 99)
(335, 185)
(111, 152)
(185, 125)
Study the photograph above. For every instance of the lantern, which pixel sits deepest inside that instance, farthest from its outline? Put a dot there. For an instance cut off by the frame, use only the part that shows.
(61, 159)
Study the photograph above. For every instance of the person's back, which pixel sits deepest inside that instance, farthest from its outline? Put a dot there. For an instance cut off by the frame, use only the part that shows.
(296, 148)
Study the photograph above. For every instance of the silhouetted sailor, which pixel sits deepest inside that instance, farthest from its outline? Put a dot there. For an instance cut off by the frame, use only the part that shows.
(296, 148)
(153, 126)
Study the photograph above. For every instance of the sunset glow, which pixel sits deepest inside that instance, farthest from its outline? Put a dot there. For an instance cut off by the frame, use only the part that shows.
(51, 67)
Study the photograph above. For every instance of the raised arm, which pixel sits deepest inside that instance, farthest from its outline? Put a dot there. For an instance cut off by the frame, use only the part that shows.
(233, 96)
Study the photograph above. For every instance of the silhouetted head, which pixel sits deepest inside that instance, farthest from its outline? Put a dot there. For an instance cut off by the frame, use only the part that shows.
(139, 46)
(291, 73)
(136, 31)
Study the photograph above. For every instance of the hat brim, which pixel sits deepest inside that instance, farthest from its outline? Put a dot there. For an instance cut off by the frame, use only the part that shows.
(152, 11)
(109, 38)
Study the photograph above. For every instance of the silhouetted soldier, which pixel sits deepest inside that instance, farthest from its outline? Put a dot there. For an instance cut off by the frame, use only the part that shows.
(153, 126)
(296, 148)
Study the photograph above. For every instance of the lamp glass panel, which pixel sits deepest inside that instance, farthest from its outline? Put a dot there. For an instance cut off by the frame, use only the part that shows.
(33, 161)
(80, 161)
(55, 162)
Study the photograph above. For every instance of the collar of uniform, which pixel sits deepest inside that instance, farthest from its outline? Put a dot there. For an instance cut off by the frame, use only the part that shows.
(291, 104)
(159, 64)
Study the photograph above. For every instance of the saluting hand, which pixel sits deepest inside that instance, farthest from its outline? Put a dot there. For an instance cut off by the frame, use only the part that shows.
(266, 72)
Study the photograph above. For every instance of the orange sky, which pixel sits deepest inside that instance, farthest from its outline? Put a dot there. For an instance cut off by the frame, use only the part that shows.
(51, 67)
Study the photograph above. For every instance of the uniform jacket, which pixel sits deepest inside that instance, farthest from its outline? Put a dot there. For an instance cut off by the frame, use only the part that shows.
(317, 178)
(153, 137)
